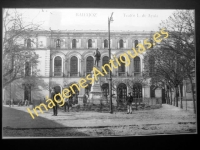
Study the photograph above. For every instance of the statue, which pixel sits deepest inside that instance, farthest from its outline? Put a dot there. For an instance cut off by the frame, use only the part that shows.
(97, 56)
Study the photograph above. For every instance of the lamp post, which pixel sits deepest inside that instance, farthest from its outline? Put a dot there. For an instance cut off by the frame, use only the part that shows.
(110, 72)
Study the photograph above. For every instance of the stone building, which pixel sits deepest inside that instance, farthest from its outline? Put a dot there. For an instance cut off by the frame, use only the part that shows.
(67, 56)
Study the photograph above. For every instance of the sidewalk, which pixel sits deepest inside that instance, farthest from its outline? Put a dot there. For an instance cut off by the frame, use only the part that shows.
(18, 117)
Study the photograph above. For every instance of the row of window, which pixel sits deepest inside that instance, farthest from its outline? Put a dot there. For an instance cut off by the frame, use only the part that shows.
(90, 45)
(89, 65)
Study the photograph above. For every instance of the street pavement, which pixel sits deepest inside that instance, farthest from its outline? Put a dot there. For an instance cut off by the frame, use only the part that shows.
(18, 117)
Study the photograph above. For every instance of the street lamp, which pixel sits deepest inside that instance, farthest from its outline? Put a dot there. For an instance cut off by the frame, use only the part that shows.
(110, 72)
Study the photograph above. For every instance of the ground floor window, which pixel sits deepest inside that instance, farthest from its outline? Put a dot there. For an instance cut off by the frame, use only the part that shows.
(105, 89)
(122, 92)
(137, 92)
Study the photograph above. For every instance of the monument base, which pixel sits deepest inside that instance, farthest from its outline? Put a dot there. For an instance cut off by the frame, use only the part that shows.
(95, 96)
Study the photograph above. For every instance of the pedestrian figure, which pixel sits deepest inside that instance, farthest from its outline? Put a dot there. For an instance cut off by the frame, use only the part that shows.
(54, 107)
(66, 105)
(129, 101)
(85, 98)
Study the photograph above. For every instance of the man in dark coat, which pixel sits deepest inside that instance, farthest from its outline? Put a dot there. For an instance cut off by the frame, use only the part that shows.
(129, 100)
(55, 111)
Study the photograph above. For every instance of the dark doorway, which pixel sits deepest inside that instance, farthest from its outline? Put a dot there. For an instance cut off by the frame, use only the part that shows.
(152, 91)
(163, 96)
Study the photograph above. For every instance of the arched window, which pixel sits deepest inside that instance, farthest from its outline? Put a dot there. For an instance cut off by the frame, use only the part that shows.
(89, 64)
(105, 89)
(137, 66)
(151, 65)
(58, 43)
(105, 61)
(74, 43)
(137, 92)
(29, 43)
(121, 69)
(152, 91)
(27, 69)
(121, 43)
(105, 43)
(89, 43)
(58, 66)
(122, 92)
(136, 43)
(74, 66)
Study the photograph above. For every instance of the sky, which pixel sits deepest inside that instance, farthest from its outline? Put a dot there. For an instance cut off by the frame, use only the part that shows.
(97, 19)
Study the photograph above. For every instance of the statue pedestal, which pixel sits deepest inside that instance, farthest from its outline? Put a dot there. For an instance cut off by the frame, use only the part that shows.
(95, 96)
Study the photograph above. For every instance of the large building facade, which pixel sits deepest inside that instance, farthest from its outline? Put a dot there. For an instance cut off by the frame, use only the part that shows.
(67, 56)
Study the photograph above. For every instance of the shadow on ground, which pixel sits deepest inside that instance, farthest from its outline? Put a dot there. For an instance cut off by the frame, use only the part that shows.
(18, 123)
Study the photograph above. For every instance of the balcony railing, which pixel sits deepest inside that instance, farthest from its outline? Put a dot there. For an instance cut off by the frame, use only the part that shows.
(74, 74)
(57, 74)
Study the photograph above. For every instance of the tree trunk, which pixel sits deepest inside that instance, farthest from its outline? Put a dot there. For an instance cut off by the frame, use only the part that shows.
(168, 96)
(193, 97)
(171, 96)
(181, 94)
(176, 95)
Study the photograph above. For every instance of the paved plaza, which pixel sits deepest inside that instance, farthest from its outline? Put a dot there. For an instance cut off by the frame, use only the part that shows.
(168, 119)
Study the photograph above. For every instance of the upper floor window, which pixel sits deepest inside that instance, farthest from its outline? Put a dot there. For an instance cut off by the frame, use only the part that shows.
(27, 69)
(89, 64)
(89, 43)
(136, 43)
(58, 43)
(151, 65)
(121, 69)
(137, 65)
(29, 43)
(74, 43)
(105, 43)
(74, 66)
(58, 66)
(121, 43)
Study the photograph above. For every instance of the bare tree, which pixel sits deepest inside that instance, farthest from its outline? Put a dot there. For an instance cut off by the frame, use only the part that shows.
(15, 52)
(181, 41)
